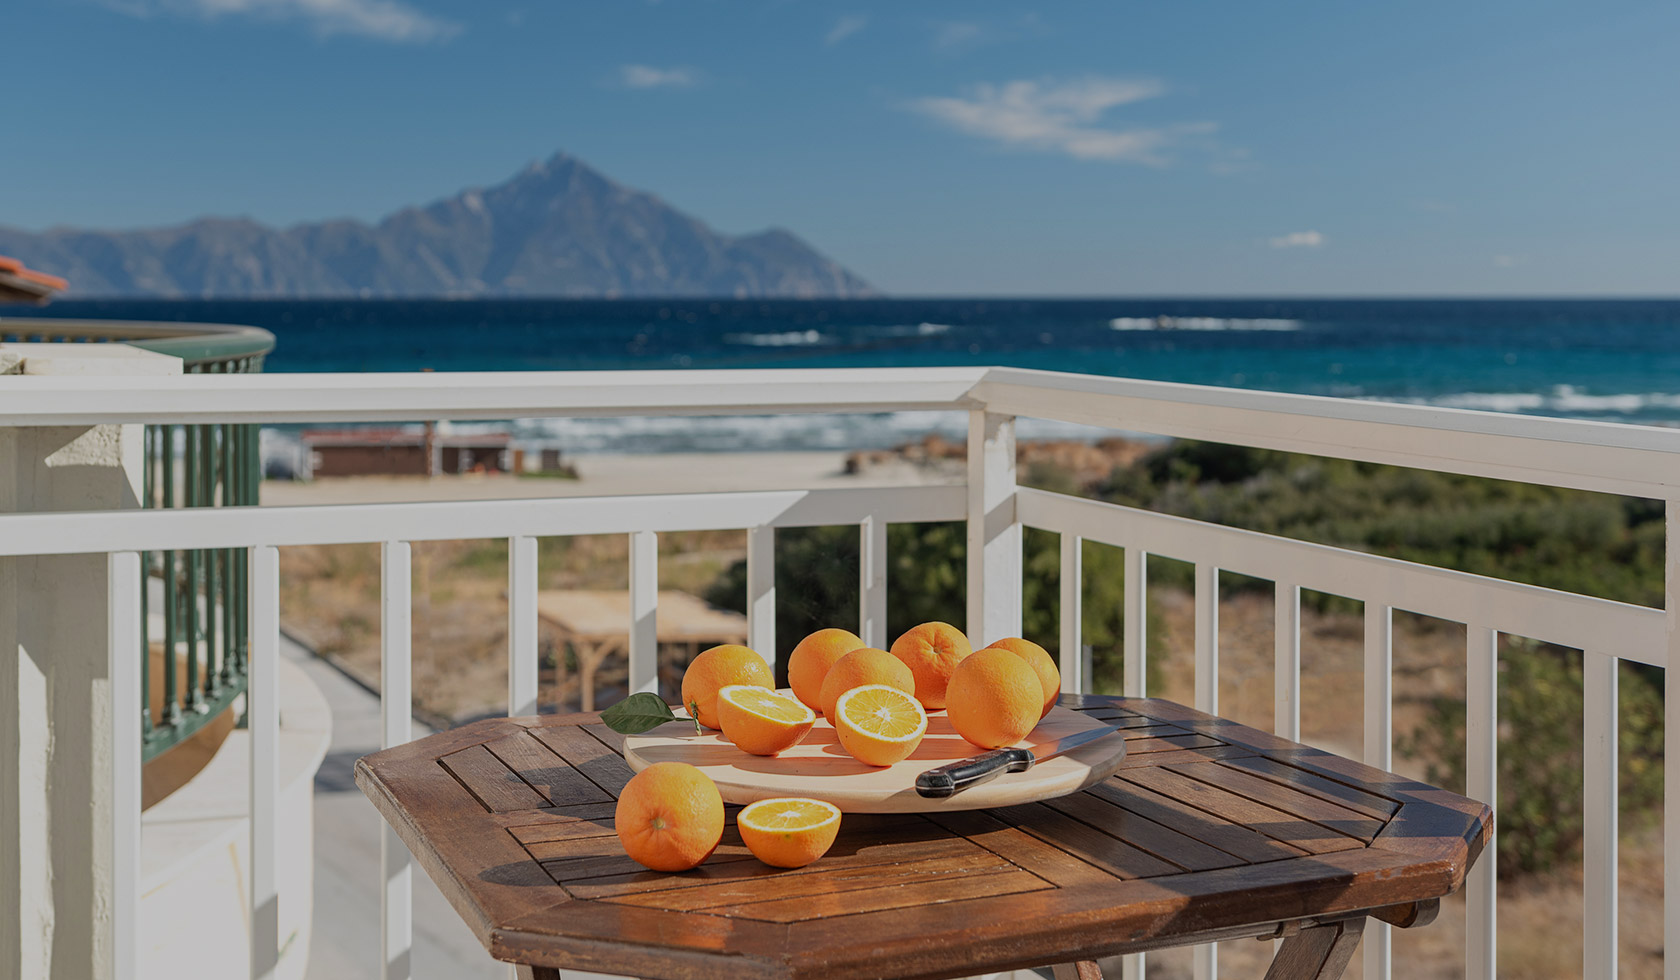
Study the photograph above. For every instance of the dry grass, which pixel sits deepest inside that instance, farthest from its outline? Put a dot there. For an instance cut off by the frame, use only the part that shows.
(330, 600)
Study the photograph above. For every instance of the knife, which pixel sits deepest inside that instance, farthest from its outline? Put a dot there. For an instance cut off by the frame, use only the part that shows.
(953, 778)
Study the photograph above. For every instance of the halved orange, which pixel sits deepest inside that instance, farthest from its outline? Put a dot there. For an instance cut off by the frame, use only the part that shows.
(790, 832)
(879, 724)
(760, 720)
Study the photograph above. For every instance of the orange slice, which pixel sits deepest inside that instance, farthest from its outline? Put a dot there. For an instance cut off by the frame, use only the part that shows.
(879, 724)
(790, 832)
(760, 720)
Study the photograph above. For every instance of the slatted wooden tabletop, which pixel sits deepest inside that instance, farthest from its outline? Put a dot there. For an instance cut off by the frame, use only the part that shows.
(1209, 830)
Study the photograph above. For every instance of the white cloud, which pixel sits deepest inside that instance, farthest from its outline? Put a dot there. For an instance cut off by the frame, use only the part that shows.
(1062, 117)
(845, 27)
(384, 20)
(647, 76)
(1299, 239)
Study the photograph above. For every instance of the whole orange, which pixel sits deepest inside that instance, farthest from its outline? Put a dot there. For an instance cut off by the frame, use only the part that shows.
(669, 817)
(1049, 676)
(932, 651)
(864, 665)
(809, 662)
(716, 669)
(995, 698)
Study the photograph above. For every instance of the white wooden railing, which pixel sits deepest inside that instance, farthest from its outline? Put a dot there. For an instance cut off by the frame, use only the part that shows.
(1619, 459)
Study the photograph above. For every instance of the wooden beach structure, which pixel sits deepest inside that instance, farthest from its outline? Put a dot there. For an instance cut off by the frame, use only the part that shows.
(596, 625)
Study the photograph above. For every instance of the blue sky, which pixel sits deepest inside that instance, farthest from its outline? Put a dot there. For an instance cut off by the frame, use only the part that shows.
(1505, 147)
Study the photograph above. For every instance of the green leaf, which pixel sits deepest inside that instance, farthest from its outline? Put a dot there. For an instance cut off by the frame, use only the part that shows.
(638, 713)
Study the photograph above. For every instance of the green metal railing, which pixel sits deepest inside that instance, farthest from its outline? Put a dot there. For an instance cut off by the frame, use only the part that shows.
(203, 592)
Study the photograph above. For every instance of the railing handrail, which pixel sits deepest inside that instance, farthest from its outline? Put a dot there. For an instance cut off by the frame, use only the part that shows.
(102, 532)
(1603, 456)
(194, 343)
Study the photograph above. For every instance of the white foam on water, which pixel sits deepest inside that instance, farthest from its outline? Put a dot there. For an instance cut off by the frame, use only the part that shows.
(283, 453)
(791, 338)
(1559, 400)
(1205, 323)
(771, 433)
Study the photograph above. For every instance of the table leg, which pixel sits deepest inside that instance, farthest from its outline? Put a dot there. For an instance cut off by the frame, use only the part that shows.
(1082, 970)
(536, 973)
(1319, 953)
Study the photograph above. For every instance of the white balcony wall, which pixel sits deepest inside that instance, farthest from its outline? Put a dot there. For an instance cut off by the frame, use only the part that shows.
(56, 769)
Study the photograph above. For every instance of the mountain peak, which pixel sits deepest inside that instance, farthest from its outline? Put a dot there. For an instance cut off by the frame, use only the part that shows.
(556, 228)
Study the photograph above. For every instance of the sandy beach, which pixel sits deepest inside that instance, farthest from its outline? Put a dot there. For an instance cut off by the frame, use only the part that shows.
(607, 474)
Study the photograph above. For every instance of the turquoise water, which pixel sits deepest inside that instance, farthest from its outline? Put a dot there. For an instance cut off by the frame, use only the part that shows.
(1615, 360)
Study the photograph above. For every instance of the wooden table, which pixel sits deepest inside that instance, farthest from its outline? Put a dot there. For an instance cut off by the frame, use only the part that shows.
(1210, 831)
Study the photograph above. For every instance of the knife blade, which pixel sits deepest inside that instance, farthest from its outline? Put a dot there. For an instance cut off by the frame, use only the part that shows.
(954, 777)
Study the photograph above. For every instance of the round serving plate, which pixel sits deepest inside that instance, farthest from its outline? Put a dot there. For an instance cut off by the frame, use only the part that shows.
(820, 769)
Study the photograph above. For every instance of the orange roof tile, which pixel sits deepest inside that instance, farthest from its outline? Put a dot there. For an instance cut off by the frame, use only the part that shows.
(18, 284)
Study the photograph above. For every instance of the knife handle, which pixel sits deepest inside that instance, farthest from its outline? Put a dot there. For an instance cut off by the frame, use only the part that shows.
(948, 780)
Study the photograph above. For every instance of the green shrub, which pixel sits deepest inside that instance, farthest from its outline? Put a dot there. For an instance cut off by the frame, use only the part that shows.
(1540, 752)
(927, 574)
(1591, 543)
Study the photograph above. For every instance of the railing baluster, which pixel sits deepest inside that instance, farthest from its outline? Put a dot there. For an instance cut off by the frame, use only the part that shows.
(123, 613)
(262, 711)
(522, 625)
(194, 559)
(241, 566)
(644, 612)
(1072, 642)
(1671, 736)
(396, 708)
(148, 498)
(212, 589)
(1286, 668)
(1207, 638)
(1481, 737)
(1379, 749)
(994, 535)
(1134, 682)
(1286, 661)
(1600, 797)
(761, 592)
(872, 582)
(170, 716)
(1205, 958)
(1134, 640)
(230, 594)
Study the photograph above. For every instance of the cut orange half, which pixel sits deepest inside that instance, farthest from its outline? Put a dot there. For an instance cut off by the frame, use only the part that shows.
(790, 832)
(762, 721)
(879, 724)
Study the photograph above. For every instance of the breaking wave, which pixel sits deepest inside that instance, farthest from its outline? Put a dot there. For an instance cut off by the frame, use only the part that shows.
(1564, 400)
(790, 338)
(1211, 323)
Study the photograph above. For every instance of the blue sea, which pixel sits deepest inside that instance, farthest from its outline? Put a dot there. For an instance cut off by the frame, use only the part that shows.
(1616, 360)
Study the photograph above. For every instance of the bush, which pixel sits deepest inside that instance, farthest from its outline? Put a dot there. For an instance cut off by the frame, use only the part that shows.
(1591, 543)
(1540, 752)
(817, 587)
